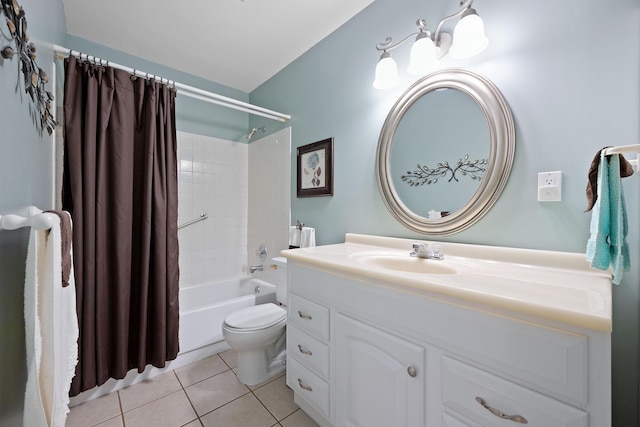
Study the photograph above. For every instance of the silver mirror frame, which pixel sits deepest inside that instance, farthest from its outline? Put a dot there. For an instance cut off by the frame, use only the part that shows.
(502, 150)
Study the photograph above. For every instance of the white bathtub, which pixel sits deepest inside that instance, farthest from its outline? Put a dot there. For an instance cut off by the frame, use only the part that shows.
(204, 307)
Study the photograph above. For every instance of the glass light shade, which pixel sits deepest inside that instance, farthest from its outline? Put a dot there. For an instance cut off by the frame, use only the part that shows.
(468, 37)
(423, 57)
(386, 73)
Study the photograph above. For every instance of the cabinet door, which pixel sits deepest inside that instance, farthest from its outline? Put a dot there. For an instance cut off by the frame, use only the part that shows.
(380, 378)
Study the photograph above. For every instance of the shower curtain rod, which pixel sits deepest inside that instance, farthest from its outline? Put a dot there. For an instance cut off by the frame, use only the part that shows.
(190, 91)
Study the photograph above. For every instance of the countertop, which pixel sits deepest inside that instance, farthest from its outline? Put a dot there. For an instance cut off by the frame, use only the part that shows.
(559, 286)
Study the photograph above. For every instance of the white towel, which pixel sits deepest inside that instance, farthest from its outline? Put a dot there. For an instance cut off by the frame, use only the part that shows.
(294, 236)
(51, 328)
(305, 238)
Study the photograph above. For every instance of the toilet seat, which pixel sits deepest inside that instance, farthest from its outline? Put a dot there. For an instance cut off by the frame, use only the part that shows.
(256, 317)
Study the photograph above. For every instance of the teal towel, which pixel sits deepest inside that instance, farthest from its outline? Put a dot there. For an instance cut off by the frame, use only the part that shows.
(598, 253)
(607, 245)
(618, 222)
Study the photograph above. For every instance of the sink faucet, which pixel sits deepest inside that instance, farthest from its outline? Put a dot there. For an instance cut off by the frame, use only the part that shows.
(255, 268)
(424, 250)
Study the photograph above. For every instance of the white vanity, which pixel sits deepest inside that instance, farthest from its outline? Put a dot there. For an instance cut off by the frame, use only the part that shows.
(487, 336)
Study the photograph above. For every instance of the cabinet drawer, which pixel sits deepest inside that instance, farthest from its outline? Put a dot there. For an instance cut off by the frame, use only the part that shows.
(309, 316)
(480, 395)
(543, 357)
(449, 420)
(309, 351)
(308, 386)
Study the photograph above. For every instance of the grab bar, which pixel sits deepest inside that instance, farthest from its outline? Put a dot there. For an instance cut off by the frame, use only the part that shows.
(193, 221)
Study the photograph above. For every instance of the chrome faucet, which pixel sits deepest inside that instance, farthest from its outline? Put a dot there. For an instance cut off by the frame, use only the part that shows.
(424, 250)
(255, 268)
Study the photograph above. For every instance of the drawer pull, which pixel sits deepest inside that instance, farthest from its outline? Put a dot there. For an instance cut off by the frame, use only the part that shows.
(497, 413)
(304, 316)
(412, 371)
(303, 351)
(304, 386)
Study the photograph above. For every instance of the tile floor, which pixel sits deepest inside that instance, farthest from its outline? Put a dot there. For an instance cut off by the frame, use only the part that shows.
(203, 394)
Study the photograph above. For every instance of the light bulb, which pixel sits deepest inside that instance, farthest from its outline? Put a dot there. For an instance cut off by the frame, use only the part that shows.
(423, 57)
(468, 36)
(386, 72)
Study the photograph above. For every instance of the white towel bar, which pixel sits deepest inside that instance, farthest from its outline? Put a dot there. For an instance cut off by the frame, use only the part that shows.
(625, 149)
(29, 216)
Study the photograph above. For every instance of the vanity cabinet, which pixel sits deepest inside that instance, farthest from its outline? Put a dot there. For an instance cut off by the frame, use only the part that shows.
(380, 356)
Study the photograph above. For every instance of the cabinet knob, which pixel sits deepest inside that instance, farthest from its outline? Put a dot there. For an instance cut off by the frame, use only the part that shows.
(412, 371)
(500, 414)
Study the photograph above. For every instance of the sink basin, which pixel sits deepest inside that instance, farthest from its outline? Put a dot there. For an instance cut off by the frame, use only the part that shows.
(406, 263)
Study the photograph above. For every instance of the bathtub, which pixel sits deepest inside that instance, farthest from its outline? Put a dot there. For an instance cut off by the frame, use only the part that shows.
(204, 307)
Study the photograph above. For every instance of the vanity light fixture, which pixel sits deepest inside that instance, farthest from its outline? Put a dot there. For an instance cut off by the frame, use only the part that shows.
(468, 40)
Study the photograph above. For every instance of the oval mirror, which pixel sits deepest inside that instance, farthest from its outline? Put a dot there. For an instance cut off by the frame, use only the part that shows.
(445, 152)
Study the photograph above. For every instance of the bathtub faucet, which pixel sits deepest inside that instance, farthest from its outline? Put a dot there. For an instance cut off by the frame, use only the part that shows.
(255, 268)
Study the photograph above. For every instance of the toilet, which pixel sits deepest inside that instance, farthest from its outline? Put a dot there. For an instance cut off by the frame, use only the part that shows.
(258, 334)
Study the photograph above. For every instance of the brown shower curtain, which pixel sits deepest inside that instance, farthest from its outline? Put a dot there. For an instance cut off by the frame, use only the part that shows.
(120, 185)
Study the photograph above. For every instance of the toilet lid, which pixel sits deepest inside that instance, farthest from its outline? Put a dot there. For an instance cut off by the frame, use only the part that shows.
(256, 317)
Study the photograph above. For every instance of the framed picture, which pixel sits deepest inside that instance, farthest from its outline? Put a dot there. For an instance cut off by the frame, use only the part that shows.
(315, 169)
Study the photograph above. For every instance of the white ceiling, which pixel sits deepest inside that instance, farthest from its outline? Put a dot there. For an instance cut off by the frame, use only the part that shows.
(237, 43)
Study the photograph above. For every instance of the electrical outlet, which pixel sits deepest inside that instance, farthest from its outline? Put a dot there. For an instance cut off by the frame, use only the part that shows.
(550, 186)
(549, 178)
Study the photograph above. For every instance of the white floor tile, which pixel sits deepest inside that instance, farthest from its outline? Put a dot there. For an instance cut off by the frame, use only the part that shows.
(205, 393)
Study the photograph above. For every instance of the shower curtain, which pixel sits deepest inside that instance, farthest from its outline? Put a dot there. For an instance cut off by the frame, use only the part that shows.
(120, 185)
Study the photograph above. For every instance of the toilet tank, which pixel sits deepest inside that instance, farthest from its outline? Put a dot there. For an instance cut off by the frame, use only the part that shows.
(281, 279)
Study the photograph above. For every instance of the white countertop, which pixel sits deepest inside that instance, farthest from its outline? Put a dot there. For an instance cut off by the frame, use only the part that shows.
(558, 286)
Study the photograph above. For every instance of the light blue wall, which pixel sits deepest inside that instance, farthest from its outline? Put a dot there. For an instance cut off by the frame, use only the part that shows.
(25, 174)
(570, 72)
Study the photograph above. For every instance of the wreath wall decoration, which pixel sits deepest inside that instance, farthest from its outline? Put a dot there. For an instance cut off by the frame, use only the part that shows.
(35, 78)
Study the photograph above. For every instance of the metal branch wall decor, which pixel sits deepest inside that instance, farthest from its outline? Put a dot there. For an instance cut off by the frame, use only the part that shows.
(35, 77)
(424, 175)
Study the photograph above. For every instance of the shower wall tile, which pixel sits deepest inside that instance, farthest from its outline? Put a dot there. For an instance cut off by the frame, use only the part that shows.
(269, 166)
(212, 179)
(245, 189)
